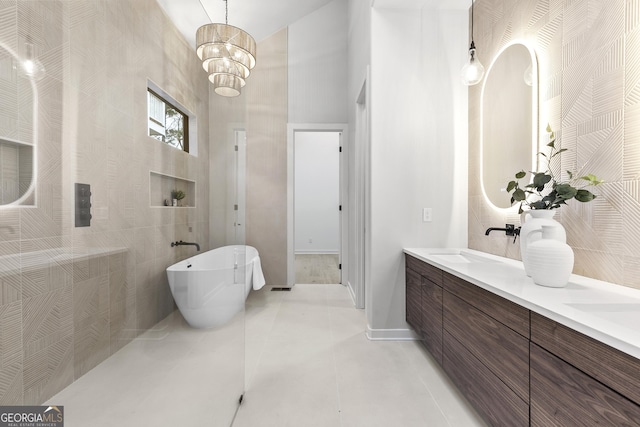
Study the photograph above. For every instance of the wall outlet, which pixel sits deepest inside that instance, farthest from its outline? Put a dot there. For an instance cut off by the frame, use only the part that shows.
(426, 215)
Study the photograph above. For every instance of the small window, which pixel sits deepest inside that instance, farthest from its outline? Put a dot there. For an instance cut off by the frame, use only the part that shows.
(167, 123)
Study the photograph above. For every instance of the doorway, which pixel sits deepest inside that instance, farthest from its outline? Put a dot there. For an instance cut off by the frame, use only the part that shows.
(315, 227)
(317, 207)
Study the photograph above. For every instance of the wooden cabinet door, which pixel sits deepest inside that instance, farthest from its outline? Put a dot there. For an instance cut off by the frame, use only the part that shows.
(432, 318)
(499, 348)
(562, 395)
(413, 305)
(491, 397)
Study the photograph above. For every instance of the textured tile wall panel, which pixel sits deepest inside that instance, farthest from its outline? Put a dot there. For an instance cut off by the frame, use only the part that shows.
(589, 91)
(63, 318)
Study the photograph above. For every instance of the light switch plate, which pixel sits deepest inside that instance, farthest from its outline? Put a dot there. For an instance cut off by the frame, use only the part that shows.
(427, 215)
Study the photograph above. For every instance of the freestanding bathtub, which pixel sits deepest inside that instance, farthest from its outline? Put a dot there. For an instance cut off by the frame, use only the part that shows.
(210, 288)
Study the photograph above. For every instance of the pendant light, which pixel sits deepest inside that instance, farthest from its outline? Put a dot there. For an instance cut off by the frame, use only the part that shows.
(473, 71)
(228, 55)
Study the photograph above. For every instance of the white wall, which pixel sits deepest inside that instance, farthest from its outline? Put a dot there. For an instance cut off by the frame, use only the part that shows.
(317, 48)
(418, 149)
(359, 48)
(317, 192)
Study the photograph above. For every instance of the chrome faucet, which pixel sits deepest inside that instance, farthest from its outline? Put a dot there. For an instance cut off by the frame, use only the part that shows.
(181, 243)
(509, 230)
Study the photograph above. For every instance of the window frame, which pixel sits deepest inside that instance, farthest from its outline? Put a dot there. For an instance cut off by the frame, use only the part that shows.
(171, 103)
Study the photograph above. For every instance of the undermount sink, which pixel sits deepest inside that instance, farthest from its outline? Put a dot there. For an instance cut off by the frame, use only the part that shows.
(625, 313)
(462, 257)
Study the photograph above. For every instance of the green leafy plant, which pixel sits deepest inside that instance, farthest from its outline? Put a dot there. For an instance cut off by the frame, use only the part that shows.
(545, 191)
(178, 194)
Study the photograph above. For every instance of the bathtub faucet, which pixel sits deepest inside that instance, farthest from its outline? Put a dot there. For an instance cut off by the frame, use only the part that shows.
(181, 243)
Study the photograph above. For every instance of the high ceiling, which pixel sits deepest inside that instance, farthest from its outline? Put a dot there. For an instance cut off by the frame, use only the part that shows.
(261, 18)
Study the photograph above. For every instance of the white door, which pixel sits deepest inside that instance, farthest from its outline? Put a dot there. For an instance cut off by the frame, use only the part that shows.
(317, 210)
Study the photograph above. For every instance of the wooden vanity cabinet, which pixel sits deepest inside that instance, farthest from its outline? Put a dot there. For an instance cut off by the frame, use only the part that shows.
(517, 367)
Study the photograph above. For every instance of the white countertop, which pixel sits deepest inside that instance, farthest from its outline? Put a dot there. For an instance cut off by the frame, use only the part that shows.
(604, 311)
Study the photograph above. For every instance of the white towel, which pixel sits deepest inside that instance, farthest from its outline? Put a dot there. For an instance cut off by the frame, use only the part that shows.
(257, 275)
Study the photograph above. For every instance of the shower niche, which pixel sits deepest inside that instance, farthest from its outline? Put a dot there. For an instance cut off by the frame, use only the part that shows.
(16, 173)
(162, 188)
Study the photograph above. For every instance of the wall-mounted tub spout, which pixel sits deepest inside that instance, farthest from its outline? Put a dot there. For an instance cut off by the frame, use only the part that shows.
(181, 243)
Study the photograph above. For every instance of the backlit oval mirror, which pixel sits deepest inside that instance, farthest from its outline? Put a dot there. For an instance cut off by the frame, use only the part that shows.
(509, 121)
(17, 132)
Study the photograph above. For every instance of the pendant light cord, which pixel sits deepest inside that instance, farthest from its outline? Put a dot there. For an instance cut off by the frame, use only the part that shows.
(472, 2)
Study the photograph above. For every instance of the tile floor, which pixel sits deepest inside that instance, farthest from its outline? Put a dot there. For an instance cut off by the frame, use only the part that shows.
(308, 363)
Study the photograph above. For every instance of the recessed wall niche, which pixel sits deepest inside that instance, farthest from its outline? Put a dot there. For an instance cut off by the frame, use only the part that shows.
(161, 187)
(16, 173)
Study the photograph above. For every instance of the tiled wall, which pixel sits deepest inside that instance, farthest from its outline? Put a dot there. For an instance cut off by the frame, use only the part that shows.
(63, 314)
(588, 52)
(266, 219)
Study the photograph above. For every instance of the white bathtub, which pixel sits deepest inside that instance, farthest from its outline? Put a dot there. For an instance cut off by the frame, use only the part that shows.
(210, 288)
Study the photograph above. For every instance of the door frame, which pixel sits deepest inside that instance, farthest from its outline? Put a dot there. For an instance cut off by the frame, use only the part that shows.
(292, 128)
(359, 288)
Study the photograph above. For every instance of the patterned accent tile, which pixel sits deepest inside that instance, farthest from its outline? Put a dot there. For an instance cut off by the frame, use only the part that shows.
(631, 221)
(11, 353)
(631, 160)
(11, 388)
(47, 318)
(91, 343)
(598, 265)
(48, 371)
(631, 268)
(47, 343)
(597, 80)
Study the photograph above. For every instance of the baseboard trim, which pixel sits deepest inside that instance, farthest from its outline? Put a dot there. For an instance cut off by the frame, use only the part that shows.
(391, 334)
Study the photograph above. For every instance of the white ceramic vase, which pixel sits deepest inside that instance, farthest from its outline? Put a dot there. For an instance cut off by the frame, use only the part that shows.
(534, 220)
(550, 260)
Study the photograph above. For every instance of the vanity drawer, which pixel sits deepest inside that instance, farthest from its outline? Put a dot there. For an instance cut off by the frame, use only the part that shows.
(562, 395)
(414, 300)
(615, 369)
(432, 318)
(495, 402)
(508, 313)
(502, 350)
(424, 269)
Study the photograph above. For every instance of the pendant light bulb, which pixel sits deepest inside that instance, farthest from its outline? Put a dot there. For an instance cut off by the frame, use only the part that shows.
(473, 70)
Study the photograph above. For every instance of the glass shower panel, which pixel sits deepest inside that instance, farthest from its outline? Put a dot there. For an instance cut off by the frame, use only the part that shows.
(90, 321)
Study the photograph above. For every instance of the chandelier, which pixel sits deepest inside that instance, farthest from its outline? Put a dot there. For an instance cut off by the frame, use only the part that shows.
(228, 55)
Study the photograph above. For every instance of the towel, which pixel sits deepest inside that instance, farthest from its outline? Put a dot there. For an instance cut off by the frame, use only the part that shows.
(257, 275)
